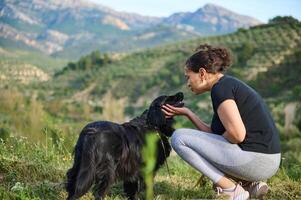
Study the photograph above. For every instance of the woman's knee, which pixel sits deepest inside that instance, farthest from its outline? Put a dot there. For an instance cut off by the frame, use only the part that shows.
(177, 137)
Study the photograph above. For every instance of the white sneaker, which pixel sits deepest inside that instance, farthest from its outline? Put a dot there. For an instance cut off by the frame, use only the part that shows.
(256, 189)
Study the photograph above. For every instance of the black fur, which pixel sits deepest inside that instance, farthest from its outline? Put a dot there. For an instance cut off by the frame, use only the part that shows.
(106, 152)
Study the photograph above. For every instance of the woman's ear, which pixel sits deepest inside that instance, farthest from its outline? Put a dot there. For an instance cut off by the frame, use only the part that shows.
(202, 73)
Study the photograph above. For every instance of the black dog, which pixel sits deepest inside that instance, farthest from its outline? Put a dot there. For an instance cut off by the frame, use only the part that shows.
(106, 152)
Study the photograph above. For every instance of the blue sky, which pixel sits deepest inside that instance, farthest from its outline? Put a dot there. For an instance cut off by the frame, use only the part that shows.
(260, 9)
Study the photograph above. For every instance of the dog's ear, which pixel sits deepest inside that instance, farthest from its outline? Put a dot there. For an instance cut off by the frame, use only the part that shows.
(167, 130)
(156, 117)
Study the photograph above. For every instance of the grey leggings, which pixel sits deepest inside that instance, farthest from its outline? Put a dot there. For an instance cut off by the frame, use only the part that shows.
(215, 157)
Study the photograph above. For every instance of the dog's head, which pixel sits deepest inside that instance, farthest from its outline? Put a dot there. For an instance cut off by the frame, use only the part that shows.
(156, 118)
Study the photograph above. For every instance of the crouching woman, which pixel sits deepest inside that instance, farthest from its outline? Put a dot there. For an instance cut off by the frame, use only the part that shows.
(241, 148)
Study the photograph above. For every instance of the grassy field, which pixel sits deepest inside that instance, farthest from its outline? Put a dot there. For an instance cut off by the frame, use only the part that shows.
(37, 171)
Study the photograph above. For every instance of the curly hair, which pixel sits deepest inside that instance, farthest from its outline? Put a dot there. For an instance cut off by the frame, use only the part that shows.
(212, 59)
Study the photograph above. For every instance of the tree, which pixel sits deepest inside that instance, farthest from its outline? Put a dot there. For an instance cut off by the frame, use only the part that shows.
(245, 52)
(284, 20)
(94, 59)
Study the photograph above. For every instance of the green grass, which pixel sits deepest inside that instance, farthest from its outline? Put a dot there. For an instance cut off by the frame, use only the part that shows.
(30, 170)
(37, 171)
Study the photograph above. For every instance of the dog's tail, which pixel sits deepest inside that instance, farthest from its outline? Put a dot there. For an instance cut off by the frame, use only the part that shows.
(81, 176)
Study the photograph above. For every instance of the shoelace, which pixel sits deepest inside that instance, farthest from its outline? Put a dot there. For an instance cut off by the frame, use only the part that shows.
(219, 190)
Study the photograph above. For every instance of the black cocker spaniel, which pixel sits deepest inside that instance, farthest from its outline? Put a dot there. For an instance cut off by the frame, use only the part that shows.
(106, 151)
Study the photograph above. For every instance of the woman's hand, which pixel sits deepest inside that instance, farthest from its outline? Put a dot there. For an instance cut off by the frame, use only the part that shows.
(171, 111)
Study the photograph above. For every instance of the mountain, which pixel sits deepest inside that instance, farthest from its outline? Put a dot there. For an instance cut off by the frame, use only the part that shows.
(53, 26)
(71, 28)
(212, 19)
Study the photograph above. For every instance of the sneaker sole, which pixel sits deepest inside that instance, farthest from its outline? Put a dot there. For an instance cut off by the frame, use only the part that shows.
(262, 192)
(243, 196)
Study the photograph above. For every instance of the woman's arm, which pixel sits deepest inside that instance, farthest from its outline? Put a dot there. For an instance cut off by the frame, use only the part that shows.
(171, 111)
(230, 117)
(198, 122)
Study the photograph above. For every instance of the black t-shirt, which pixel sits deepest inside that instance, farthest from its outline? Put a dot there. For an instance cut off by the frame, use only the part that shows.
(261, 133)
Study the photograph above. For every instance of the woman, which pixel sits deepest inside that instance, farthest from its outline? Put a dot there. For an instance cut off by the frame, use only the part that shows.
(241, 143)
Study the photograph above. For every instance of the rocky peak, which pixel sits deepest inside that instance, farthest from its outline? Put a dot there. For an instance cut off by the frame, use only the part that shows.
(218, 11)
(215, 9)
(212, 19)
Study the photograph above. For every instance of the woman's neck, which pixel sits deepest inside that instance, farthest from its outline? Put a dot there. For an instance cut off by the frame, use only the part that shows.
(214, 79)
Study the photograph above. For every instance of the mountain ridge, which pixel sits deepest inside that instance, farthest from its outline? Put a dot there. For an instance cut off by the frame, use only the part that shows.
(213, 14)
(79, 27)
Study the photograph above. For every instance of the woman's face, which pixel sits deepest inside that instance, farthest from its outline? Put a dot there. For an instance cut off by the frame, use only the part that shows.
(196, 82)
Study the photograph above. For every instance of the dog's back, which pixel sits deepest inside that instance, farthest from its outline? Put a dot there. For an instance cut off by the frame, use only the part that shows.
(104, 152)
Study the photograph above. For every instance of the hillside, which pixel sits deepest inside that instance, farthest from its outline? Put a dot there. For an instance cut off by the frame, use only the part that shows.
(23, 73)
(260, 53)
(45, 63)
(256, 51)
(69, 29)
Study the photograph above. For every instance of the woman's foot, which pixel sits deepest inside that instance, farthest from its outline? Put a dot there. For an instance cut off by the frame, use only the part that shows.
(256, 189)
(237, 193)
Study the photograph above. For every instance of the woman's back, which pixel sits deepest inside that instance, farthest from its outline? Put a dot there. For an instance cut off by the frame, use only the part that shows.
(262, 135)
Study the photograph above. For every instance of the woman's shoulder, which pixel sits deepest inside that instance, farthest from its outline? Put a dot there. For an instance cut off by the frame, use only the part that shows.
(225, 82)
(237, 86)
(230, 84)
(228, 80)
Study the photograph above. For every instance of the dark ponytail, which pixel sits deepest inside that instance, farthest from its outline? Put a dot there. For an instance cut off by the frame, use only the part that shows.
(212, 59)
